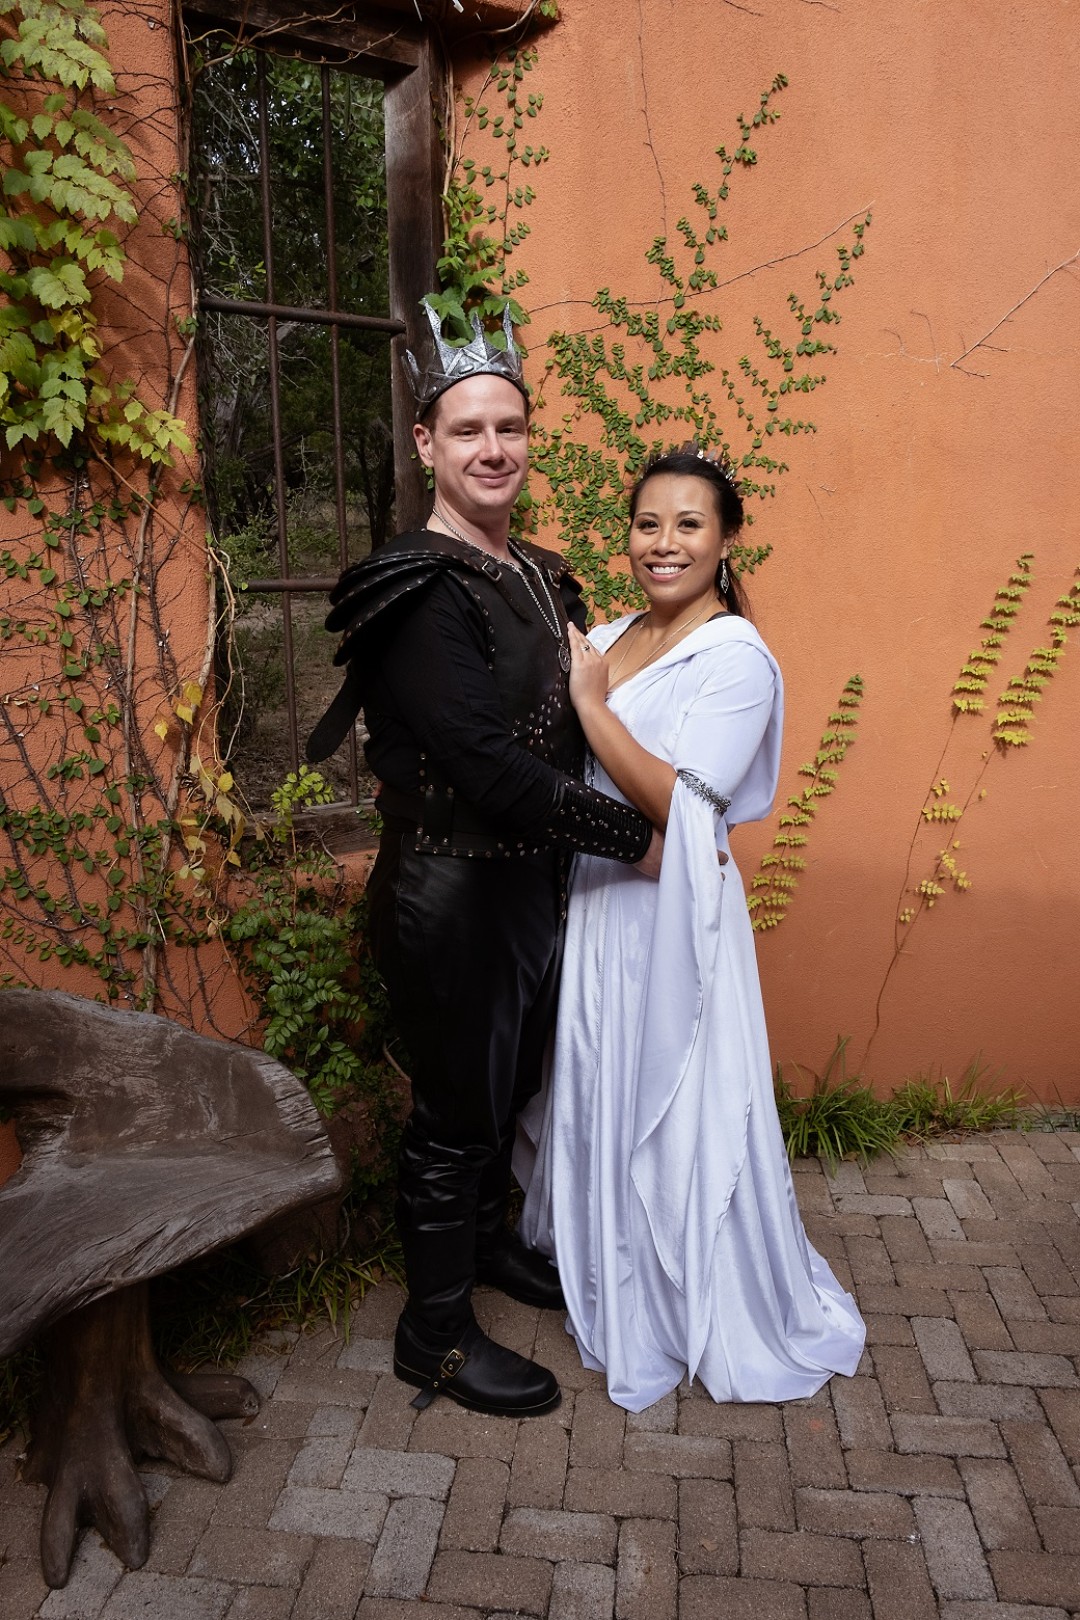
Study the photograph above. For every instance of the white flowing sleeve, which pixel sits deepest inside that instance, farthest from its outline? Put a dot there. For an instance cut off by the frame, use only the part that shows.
(727, 745)
(693, 1091)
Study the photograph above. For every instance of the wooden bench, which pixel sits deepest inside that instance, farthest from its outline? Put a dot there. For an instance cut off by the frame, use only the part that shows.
(143, 1147)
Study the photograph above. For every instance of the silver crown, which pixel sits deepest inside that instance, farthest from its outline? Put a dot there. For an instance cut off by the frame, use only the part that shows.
(451, 364)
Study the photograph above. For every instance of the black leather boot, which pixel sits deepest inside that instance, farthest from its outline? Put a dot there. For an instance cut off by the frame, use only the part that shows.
(503, 1260)
(474, 1371)
(438, 1345)
(523, 1273)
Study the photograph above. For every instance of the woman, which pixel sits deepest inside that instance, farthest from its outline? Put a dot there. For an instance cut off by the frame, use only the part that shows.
(661, 1184)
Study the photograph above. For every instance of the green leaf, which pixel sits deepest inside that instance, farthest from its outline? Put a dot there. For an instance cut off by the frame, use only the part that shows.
(19, 431)
(58, 287)
(17, 231)
(15, 183)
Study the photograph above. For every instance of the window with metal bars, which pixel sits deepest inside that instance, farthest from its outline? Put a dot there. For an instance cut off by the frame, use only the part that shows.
(314, 178)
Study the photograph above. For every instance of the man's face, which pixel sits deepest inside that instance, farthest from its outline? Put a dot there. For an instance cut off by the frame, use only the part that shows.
(476, 442)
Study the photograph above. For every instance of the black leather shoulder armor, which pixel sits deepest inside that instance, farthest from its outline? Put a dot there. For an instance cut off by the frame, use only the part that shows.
(404, 564)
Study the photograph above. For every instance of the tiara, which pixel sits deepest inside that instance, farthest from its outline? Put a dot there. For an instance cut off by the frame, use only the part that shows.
(718, 456)
(452, 363)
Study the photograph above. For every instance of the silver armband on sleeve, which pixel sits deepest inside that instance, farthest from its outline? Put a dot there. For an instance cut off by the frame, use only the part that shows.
(704, 791)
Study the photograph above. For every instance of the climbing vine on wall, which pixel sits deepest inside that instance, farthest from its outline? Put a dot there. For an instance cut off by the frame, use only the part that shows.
(484, 203)
(1016, 704)
(773, 885)
(88, 805)
(946, 806)
(647, 375)
(67, 183)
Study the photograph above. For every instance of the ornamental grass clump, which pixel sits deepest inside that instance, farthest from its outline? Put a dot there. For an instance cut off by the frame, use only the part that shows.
(928, 1105)
(840, 1117)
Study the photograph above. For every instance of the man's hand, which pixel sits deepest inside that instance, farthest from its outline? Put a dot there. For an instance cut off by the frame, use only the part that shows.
(649, 864)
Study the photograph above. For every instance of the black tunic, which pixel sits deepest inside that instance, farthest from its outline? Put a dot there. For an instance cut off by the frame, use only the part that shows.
(454, 662)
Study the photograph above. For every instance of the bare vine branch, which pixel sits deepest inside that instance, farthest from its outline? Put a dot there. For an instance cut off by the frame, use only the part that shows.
(1009, 313)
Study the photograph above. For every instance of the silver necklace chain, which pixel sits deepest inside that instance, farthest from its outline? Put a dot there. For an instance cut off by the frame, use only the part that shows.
(632, 635)
(549, 613)
(504, 562)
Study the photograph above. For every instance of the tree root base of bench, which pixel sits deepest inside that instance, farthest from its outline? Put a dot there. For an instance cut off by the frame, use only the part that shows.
(106, 1402)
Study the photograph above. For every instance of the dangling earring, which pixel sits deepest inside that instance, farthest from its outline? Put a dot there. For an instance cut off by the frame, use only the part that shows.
(723, 576)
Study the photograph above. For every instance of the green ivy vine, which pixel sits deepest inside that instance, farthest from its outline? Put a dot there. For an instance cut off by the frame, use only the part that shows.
(653, 380)
(67, 182)
(86, 808)
(773, 885)
(483, 203)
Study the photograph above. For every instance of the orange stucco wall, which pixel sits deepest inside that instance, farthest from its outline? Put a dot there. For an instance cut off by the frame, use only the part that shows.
(958, 125)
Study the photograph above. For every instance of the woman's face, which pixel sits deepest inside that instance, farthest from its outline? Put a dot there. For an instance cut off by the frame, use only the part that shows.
(676, 541)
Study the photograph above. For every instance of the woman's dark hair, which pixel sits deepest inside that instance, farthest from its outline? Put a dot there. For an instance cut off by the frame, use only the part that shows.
(689, 464)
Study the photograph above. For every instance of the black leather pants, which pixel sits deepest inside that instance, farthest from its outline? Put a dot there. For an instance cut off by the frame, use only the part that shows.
(468, 951)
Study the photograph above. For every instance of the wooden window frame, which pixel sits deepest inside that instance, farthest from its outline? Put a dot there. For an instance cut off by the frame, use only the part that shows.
(405, 57)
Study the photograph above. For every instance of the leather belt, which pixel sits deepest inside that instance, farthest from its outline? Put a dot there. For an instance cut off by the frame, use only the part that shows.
(447, 825)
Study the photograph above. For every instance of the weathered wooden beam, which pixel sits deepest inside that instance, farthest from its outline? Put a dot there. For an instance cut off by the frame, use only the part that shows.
(414, 186)
(340, 829)
(383, 32)
(369, 38)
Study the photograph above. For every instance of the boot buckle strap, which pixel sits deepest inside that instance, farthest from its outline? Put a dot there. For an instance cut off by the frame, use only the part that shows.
(450, 1365)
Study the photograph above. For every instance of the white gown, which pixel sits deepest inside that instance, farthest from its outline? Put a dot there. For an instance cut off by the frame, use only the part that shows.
(653, 1161)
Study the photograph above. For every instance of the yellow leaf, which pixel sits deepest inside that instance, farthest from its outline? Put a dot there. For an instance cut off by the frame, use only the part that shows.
(161, 729)
(225, 781)
(192, 693)
(185, 713)
(233, 858)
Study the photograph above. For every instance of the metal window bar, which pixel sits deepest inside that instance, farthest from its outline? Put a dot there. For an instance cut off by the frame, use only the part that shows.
(405, 56)
(286, 585)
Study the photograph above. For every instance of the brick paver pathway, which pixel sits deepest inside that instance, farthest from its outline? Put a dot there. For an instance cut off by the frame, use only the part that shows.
(941, 1480)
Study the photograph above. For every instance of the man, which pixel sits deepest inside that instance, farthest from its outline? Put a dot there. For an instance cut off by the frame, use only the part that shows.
(456, 646)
